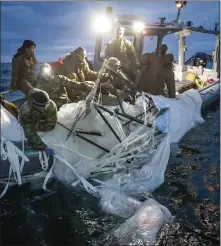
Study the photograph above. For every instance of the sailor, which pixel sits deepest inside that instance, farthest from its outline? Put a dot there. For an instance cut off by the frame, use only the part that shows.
(166, 76)
(60, 89)
(124, 51)
(163, 50)
(11, 107)
(76, 67)
(38, 114)
(118, 87)
(23, 66)
(151, 63)
(161, 77)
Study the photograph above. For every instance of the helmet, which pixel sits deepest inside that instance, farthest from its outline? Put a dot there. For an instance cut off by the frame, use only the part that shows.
(45, 66)
(80, 50)
(113, 64)
(46, 71)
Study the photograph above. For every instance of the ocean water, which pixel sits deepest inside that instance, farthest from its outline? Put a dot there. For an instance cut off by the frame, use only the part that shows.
(64, 217)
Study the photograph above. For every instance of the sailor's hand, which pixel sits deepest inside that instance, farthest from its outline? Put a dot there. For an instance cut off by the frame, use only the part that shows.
(86, 85)
(105, 75)
(90, 83)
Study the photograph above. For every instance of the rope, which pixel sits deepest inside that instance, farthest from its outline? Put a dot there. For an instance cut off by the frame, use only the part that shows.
(12, 153)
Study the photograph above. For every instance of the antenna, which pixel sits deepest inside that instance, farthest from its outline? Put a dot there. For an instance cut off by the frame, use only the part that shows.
(205, 20)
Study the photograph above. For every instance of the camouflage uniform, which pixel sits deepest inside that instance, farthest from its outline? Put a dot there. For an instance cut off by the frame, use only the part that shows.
(11, 107)
(77, 71)
(23, 67)
(109, 94)
(60, 88)
(157, 74)
(124, 51)
(167, 75)
(34, 121)
(148, 80)
(55, 87)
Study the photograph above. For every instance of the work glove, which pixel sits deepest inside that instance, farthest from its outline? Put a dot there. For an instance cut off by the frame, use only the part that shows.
(49, 151)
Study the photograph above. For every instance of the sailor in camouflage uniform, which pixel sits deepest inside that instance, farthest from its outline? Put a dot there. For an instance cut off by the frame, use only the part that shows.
(76, 67)
(23, 66)
(119, 87)
(38, 114)
(124, 51)
(60, 89)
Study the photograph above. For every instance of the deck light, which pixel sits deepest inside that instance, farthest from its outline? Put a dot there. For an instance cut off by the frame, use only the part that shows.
(138, 26)
(180, 4)
(102, 24)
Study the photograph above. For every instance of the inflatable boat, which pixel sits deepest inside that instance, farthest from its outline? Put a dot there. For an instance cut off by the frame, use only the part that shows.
(37, 165)
(33, 168)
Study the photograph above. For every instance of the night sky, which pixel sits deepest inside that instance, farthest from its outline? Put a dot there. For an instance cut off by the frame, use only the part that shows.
(59, 27)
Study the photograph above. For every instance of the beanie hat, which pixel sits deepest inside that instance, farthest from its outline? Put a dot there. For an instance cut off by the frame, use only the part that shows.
(28, 43)
(40, 98)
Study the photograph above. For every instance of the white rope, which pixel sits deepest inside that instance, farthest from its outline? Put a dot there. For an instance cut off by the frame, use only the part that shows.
(43, 159)
(49, 175)
(89, 187)
(12, 153)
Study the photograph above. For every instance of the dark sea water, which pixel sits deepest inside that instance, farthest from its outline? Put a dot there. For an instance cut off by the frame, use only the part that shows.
(63, 217)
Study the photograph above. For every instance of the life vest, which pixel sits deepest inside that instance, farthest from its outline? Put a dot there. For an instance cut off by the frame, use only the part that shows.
(195, 79)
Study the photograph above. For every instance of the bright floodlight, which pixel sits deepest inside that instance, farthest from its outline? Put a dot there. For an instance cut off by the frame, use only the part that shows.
(46, 70)
(179, 5)
(102, 24)
(138, 26)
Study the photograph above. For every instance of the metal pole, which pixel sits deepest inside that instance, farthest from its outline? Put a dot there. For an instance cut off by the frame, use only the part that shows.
(178, 14)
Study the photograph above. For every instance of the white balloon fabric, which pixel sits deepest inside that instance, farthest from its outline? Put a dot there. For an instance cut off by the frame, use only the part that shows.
(137, 162)
(10, 126)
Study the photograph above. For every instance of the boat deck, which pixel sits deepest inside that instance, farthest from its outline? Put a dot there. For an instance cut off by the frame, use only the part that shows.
(183, 85)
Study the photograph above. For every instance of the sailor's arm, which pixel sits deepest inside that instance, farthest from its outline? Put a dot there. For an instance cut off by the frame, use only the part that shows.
(15, 73)
(89, 75)
(71, 84)
(27, 120)
(48, 124)
(133, 56)
(170, 82)
(33, 139)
